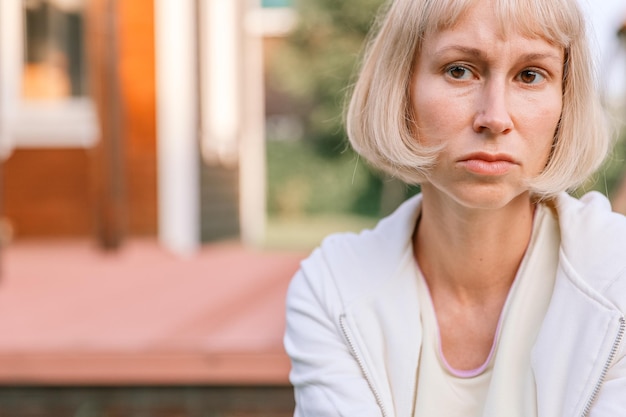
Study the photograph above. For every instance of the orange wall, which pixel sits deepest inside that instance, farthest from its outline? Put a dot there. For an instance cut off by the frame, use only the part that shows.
(49, 192)
(46, 192)
(137, 73)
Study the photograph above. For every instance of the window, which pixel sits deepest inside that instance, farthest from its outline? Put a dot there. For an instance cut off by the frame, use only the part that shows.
(43, 75)
(274, 18)
(276, 3)
(54, 64)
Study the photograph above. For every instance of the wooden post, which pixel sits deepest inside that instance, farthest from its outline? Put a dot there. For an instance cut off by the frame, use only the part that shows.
(108, 156)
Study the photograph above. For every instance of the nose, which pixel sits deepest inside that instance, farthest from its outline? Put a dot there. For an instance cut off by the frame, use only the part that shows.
(492, 111)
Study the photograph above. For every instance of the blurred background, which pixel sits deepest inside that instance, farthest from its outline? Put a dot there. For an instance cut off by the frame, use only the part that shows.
(164, 167)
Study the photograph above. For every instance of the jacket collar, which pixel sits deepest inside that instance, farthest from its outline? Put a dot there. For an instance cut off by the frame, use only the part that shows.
(384, 323)
(583, 319)
(593, 242)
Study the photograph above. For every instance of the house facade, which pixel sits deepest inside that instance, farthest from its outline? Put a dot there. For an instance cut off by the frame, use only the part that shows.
(145, 118)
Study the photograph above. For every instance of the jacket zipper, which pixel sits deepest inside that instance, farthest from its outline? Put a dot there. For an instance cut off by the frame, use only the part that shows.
(359, 361)
(607, 365)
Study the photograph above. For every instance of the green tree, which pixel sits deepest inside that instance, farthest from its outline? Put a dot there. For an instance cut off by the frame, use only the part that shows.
(610, 176)
(318, 62)
(316, 67)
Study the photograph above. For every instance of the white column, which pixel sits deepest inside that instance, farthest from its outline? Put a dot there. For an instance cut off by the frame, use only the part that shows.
(232, 102)
(252, 175)
(177, 125)
(221, 67)
(11, 61)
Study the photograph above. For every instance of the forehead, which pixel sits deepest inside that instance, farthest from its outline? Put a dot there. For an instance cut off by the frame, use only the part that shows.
(480, 29)
(557, 21)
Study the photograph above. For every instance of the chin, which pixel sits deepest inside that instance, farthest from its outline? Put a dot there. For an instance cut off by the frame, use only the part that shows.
(489, 197)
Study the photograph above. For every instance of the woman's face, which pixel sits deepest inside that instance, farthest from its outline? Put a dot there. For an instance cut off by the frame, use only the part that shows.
(494, 102)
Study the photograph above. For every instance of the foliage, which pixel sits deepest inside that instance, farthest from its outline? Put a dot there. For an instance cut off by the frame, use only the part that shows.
(609, 177)
(303, 182)
(318, 61)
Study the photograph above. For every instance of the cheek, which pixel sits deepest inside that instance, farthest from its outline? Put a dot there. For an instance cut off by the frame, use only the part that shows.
(545, 123)
(548, 121)
(435, 117)
(541, 114)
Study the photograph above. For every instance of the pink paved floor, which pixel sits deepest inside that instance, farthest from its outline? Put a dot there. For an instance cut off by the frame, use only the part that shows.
(72, 314)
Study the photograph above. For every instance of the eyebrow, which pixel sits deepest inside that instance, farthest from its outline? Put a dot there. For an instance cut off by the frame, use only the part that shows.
(464, 49)
(532, 56)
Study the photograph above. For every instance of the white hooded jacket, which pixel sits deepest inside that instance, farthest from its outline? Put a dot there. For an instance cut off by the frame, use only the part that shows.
(354, 333)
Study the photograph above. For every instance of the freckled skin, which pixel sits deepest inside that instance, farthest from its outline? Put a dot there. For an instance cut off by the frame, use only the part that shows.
(476, 91)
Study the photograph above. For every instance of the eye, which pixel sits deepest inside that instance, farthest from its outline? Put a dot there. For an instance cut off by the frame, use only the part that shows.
(531, 77)
(459, 72)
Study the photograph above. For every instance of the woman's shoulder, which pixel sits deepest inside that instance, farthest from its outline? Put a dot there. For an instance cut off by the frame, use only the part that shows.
(354, 263)
(591, 217)
(593, 242)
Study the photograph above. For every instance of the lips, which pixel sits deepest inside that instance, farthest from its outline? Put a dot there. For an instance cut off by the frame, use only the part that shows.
(489, 157)
(488, 164)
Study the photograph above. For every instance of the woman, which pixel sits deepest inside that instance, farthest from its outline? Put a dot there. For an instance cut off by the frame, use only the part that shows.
(493, 292)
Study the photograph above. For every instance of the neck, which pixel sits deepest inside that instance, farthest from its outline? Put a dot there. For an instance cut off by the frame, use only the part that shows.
(472, 253)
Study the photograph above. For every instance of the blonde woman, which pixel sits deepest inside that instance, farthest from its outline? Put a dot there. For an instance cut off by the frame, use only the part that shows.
(493, 292)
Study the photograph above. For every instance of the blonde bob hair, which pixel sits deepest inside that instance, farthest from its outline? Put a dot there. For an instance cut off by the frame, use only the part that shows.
(379, 118)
